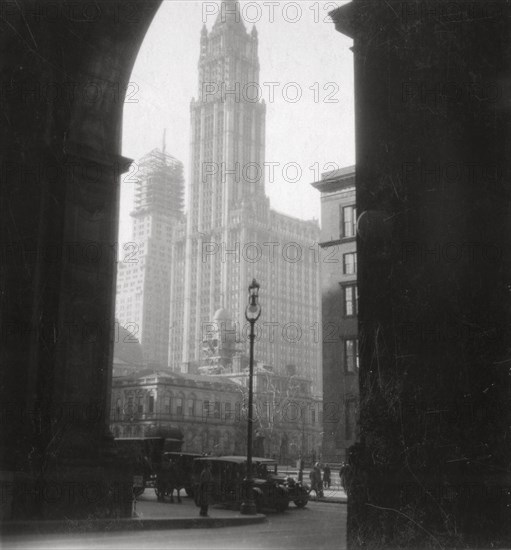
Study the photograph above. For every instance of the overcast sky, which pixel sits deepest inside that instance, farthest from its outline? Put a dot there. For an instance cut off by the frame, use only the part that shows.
(299, 50)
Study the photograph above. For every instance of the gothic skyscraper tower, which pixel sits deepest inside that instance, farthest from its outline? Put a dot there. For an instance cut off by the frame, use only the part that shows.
(227, 142)
(229, 219)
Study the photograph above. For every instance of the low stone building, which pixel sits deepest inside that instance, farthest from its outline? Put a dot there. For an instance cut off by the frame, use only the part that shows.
(287, 416)
(211, 411)
(210, 407)
(207, 410)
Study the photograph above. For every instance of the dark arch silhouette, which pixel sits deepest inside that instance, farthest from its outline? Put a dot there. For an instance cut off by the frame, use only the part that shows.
(66, 67)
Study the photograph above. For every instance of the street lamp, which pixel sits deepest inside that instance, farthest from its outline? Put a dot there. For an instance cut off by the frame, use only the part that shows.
(252, 313)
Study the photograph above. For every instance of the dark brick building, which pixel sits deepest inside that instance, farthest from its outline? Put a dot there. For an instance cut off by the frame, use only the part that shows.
(339, 311)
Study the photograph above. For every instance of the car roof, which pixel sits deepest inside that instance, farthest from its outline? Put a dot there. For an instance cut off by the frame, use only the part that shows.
(179, 453)
(236, 459)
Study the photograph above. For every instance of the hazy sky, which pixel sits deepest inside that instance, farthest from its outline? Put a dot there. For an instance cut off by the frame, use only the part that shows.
(300, 53)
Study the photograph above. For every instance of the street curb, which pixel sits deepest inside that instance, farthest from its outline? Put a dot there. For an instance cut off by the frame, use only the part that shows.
(124, 524)
(331, 500)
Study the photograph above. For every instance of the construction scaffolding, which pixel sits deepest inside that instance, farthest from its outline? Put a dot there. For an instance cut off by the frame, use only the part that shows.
(159, 185)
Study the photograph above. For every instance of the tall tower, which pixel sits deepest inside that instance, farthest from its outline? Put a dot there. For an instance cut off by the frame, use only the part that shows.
(227, 139)
(229, 217)
(143, 277)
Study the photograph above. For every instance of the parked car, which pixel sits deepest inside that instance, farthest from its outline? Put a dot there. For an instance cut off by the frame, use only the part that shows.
(297, 492)
(228, 487)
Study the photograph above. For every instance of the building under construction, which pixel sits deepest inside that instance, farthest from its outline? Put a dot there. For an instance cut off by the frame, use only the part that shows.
(143, 276)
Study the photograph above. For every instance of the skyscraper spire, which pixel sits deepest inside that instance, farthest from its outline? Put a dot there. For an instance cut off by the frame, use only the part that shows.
(229, 14)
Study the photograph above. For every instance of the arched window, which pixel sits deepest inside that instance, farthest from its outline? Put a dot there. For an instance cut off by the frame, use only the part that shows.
(150, 403)
(190, 406)
(167, 404)
(179, 406)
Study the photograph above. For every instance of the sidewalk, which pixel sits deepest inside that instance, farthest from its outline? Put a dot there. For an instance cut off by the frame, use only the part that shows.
(149, 514)
(333, 494)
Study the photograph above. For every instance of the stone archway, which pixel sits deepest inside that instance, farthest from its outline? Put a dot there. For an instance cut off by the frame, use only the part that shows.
(66, 67)
(58, 219)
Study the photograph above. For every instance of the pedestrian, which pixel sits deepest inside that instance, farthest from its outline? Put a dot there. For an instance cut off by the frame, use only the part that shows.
(316, 483)
(342, 474)
(326, 476)
(204, 488)
(319, 480)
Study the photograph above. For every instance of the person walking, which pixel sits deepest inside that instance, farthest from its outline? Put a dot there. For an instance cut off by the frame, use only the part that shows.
(316, 483)
(204, 488)
(319, 480)
(344, 474)
(326, 476)
(312, 477)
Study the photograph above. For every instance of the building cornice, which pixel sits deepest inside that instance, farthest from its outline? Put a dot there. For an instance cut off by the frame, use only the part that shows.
(337, 242)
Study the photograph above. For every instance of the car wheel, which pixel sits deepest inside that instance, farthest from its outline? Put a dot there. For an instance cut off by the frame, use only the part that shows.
(189, 491)
(300, 503)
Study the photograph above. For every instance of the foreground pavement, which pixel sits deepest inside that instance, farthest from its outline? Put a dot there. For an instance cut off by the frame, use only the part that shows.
(318, 526)
(151, 514)
(148, 514)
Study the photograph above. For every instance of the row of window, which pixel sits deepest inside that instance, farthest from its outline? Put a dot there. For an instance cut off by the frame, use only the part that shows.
(210, 409)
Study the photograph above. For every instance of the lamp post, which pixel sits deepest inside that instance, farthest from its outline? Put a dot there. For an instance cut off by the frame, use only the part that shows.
(252, 313)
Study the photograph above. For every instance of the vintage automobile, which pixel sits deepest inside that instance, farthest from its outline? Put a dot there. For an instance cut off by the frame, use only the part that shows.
(297, 492)
(228, 485)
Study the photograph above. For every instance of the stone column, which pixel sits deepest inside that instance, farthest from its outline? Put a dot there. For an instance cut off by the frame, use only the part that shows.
(58, 343)
(60, 167)
(432, 467)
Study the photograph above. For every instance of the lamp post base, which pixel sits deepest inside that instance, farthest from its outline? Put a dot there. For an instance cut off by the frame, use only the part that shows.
(248, 506)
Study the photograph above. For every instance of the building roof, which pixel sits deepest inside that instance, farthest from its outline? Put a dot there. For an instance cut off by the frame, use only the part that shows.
(237, 459)
(340, 172)
(336, 179)
(177, 378)
(229, 14)
(222, 315)
(294, 219)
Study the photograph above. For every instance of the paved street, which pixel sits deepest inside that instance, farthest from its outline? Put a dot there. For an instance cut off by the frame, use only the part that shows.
(318, 526)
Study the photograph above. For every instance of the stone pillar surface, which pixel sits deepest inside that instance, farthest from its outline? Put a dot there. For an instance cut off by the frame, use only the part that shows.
(65, 71)
(432, 467)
